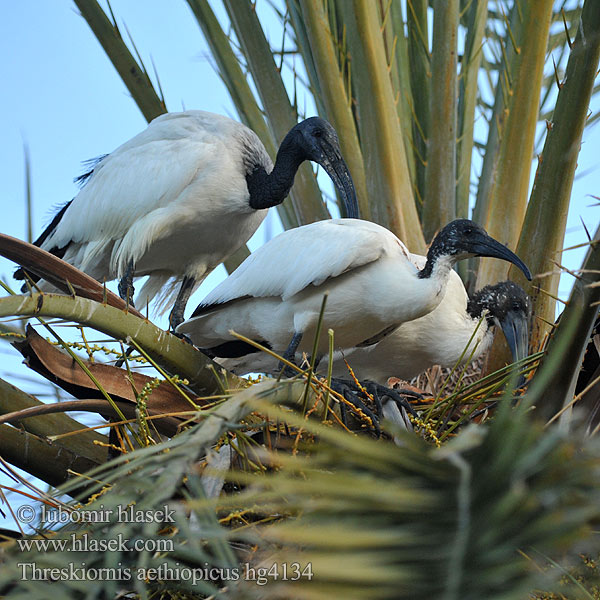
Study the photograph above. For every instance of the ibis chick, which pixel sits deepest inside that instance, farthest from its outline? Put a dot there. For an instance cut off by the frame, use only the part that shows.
(459, 330)
(371, 283)
(180, 197)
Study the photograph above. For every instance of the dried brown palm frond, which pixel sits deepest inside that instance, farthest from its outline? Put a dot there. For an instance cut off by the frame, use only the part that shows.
(480, 517)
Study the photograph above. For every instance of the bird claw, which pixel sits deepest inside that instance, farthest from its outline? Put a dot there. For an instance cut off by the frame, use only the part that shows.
(351, 393)
(380, 395)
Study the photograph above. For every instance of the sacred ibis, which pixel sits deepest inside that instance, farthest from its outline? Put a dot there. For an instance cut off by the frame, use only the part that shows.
(371, 282)
(458, 329)
(177, 199)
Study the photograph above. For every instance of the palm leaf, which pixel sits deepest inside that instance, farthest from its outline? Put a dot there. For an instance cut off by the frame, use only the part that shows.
(439, 205)
(274, 98)
(388, 183)
(554, 179)
(134, 76)
(509, 190)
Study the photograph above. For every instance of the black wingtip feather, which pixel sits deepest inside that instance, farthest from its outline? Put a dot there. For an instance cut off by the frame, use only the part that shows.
(21, 274)
(52, 226)
(90, 165)
(202, 309)
(235, 349)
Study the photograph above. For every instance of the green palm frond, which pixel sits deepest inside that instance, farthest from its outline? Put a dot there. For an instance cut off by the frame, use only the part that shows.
(373, 519)
(440, 107)
(418, 522)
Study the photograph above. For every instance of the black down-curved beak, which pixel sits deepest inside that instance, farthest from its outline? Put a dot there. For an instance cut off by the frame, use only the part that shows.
(485, 245)
(515, 327)
(330, 158)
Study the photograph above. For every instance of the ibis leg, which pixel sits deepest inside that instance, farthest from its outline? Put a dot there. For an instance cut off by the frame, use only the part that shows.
(349, 391)
(126, 284)
(380, 394)
(318, 360)
(185, 291)
(126, 292)
(290, 354)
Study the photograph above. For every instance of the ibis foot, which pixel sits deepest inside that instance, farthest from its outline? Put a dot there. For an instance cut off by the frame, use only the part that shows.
(380, 395)
(352, 393)
(186, 338)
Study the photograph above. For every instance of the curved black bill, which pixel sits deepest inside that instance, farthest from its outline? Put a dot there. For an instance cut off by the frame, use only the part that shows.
(335, 166)
(488, 246)
(516, 331)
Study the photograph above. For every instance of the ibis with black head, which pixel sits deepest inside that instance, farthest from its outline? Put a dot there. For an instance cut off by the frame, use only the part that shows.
(458, 331)
(180, 197)
(372, 286)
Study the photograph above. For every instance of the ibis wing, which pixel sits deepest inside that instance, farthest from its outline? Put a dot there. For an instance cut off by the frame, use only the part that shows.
(297, 258)
(146, 178)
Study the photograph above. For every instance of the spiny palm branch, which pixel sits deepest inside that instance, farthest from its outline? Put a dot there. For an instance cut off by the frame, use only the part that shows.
(468, 520)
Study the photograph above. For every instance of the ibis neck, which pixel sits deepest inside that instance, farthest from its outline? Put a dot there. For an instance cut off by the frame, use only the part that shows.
(475, 309)
(271, 189)
(437, 267)
(432, 283)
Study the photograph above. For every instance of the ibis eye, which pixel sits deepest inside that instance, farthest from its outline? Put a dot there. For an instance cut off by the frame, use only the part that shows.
(516, 306)
(468, 231)
(318, 133)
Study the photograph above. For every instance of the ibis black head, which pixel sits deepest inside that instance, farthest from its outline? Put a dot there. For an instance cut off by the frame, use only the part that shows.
(509, 307)
(462, 239)
(316, 140)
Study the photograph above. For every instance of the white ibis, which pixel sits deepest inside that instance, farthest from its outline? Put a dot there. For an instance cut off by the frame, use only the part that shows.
(372, 286)
(180, 197)
(441, 337)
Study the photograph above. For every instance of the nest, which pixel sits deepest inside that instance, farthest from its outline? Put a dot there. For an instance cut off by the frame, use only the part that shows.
(436, 377)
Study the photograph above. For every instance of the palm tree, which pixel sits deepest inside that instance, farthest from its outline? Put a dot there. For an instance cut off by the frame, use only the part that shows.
(437, 106)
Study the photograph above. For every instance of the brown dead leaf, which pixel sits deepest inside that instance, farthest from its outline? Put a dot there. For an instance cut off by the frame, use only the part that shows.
(58, 272)
(59, 368)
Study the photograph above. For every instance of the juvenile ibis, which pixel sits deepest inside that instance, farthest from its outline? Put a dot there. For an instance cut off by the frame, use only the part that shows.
(177, 199)
(459, 328)
(372, 285)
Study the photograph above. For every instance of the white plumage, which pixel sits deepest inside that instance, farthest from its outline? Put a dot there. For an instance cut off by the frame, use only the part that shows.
(403, 352)
(454, 331)
(305, 256)
(278, 290)
(371, 283)
(166, 190)
(180, 197)
(421, 343)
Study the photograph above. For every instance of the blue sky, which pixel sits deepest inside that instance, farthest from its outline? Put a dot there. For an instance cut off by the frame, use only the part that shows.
(64, 99)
